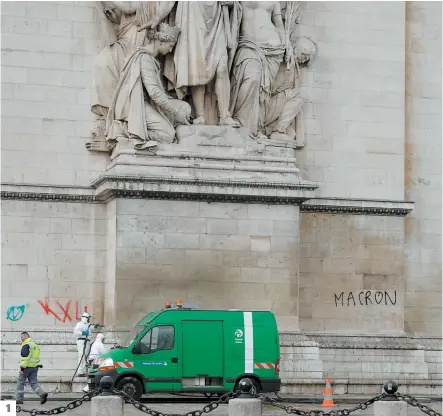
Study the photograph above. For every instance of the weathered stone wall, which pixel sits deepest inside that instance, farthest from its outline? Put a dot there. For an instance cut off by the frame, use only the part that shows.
(47, 53)
(363, 141)
(356, 91)
(423, 227)
(360, 257)
(53, 263)
(219, 255)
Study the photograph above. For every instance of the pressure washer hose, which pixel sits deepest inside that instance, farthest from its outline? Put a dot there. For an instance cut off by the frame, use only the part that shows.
(83, 356)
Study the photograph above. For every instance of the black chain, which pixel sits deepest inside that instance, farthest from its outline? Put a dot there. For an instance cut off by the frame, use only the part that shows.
(413, 402)
(62, 409)
(207, 409)
(293, 410)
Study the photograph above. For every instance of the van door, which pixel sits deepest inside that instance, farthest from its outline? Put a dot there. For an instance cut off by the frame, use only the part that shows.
(203, 360)
(158, 361)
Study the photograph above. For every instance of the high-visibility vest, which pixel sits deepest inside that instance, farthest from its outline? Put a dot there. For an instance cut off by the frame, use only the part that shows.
(33, 359)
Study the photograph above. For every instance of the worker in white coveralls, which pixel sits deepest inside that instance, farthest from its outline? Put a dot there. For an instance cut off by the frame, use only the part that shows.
(97, 349)
(81, 331)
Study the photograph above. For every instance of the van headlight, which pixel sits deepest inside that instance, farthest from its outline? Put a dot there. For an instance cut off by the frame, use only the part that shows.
(106, 364)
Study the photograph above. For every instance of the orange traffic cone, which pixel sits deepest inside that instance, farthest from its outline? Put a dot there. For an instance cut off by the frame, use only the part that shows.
(327, 395)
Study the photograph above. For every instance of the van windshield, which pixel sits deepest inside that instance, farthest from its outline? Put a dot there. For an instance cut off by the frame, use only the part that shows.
(133, 334)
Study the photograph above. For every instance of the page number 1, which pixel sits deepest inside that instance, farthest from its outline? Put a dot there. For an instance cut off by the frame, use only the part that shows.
(8, 408)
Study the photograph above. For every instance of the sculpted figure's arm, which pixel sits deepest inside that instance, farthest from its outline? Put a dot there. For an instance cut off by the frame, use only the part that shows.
(127, 7)
(278, 21)
(154, 89)
(164, 8)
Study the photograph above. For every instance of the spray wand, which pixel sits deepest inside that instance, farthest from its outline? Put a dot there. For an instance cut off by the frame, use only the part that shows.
(84, 356)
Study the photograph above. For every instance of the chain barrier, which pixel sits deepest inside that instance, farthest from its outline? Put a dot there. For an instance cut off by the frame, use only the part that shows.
(62, 409)
(414, 402)
(206, 409)
(224, 400)
(293, 410)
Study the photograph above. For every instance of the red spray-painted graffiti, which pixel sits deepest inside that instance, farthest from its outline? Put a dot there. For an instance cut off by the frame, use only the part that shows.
(65, 311)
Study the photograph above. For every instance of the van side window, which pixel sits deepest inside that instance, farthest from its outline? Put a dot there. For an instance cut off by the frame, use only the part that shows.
(159, 338)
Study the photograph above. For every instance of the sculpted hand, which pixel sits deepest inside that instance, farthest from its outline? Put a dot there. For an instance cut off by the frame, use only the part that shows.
(182, 118)
(111, 15)
(152, 24)
(183, 113)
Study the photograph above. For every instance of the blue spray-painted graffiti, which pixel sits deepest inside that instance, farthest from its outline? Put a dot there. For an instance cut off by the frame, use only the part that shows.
(15, 313)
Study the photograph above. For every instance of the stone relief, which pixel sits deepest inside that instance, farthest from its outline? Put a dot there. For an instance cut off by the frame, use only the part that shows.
(232, 64)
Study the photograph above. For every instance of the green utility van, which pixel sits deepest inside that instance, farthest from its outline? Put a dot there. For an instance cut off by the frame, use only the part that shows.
(193, 350)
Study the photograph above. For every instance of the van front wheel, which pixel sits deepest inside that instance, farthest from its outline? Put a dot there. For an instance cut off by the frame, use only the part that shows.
(131, 386)
(255, 383)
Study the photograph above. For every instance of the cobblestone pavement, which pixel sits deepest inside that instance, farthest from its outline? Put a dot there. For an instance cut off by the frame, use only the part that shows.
(183, 408)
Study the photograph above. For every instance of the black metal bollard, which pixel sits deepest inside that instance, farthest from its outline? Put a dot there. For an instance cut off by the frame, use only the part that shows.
(105, 385)
(246, 387)
(390, 388)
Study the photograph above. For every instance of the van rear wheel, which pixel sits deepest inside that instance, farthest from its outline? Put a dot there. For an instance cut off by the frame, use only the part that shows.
(131, 386)
(255, 383)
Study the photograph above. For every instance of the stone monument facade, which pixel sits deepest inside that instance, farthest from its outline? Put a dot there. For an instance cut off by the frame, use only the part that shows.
(256, 155)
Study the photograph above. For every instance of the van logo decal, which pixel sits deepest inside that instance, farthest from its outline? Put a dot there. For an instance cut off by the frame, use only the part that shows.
(158, 363)
(238, 336)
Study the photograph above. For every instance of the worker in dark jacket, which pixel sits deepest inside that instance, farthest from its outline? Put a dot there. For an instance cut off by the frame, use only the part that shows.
(29, 365)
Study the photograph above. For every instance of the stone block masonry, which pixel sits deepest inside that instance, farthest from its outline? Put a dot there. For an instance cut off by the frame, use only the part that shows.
(422, 261)
(208, 254)
(47, 51)
(355, 93)
(53, 262)
(351, 273)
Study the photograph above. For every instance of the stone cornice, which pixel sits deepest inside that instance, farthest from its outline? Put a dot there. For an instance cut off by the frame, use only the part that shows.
(204, 182)
(31, 192)
(202, 189)
(123, 186)
(363, 341)
(358, 206)
(287, 339)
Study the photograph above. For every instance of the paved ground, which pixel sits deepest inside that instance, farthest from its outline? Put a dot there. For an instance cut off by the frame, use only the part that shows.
(183, 408)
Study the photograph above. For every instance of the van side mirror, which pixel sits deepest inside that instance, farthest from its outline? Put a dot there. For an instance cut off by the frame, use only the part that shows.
(137, 348)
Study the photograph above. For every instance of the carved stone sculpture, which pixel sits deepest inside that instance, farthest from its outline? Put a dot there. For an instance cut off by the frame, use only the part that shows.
(203, 51)
(141, 110)
(242, 58)
(260, 51)
(119, 23)
(286, 102)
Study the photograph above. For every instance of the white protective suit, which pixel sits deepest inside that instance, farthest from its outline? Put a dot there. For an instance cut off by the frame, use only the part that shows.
(97, 349)
(81, 332)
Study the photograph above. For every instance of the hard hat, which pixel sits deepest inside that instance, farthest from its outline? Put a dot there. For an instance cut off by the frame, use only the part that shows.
(86, 315)
(100, 336)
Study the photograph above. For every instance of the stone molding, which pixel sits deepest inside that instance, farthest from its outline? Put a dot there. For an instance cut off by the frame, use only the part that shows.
(369, 341)
(31, 192)
(287, 339)
(133, 186)
(121, 186)
(358, 206)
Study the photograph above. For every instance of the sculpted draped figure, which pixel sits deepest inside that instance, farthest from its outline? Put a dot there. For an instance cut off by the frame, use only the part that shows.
(209, 33)
(127, 89)
(141, 110)
(265, 94)
(260, 52)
